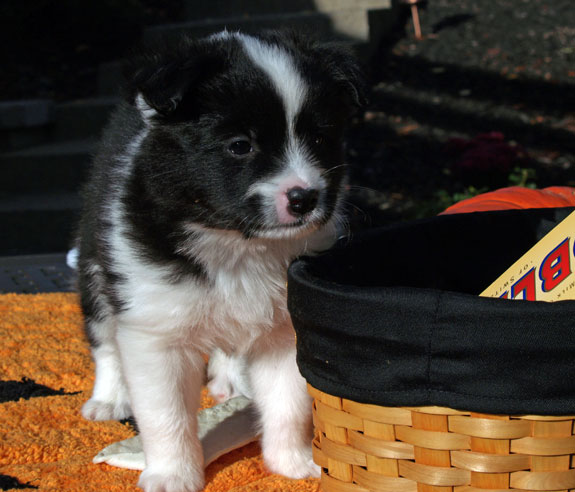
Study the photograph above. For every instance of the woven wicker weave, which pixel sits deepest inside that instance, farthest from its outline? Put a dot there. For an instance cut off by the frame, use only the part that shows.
(365, 448)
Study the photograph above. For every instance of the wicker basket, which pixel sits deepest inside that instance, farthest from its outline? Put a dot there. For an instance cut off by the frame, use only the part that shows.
(364, 448)
(420, 384)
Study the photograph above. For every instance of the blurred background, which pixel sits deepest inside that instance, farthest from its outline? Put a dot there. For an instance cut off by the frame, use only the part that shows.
(483, 97)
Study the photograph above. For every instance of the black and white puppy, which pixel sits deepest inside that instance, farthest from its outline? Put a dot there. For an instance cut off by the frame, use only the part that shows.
(223, 164)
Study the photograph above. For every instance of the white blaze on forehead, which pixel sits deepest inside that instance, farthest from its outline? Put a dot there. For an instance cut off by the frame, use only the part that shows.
(300, 166)
(281, 69)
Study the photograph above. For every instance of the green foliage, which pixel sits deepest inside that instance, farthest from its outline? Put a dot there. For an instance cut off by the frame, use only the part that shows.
(443, 198)
(523, 177)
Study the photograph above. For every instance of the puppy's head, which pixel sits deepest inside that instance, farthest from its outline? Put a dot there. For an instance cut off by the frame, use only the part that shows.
(244, 132)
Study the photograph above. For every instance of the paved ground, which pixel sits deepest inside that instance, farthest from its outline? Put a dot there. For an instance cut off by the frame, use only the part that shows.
(35, 273)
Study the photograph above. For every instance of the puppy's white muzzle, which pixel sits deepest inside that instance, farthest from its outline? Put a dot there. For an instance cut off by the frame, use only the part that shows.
(294, 199)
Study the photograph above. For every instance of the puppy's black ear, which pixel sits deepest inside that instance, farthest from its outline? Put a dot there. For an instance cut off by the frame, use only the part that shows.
(341, 64)
(159, 79)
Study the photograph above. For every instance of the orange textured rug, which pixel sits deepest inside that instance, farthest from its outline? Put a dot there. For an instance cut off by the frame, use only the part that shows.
(45, 444)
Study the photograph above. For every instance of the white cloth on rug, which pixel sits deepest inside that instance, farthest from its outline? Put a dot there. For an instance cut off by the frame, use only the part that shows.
(221, 429)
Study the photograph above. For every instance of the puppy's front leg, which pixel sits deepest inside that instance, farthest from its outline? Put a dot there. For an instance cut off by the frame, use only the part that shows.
(164, 380)
(279, 391)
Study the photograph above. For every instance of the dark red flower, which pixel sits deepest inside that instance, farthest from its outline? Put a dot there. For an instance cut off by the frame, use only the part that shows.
(484, 159)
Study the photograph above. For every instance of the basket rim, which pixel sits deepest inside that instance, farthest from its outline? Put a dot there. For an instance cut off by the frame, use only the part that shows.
(364, 408)
(302, 272)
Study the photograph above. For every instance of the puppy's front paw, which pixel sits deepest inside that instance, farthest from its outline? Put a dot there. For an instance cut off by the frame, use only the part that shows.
(227, 376)
(221, 389)
(292, 463)
(105, 410)
(154, 481)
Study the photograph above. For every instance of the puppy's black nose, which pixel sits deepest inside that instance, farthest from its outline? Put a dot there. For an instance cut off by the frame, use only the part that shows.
(302, 200)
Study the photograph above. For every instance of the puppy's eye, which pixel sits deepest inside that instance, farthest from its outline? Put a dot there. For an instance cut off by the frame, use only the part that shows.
(318, 140)
(240, 147)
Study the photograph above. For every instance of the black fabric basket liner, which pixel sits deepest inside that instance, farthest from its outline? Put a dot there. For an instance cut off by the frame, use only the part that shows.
(392, 317)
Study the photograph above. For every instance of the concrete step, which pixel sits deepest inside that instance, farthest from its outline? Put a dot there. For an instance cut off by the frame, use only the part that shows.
(349, 18)
(82, 119)
(110, 79)
(26, 113)
(34, 223)
(60, 166)
(200, 10)
(467, 115)
(362, 20)
(37, 223)
(24, 123)
(317, 23)
(52, 201)
(36, 231)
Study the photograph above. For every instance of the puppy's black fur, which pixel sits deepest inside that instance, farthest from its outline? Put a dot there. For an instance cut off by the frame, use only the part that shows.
(207, 144)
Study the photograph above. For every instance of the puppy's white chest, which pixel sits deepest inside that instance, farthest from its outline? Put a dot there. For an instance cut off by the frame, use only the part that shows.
(244, 294)
(228, 310)
(249, 298)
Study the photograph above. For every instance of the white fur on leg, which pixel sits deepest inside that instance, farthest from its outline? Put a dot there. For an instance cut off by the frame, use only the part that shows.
(164, 381)
(280, 394)
(109, 399)
(227, 376)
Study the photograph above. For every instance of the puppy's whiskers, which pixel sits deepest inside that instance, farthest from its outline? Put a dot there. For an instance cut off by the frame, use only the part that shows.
(331, 169)
(362, 188)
